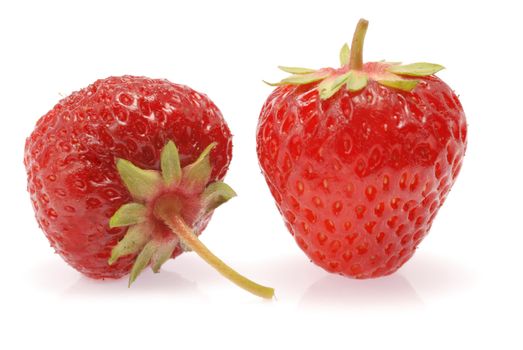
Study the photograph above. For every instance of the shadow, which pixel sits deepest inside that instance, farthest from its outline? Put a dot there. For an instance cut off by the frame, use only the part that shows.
(53, 275)
(422, 278)
(435, 276)
(165, 283)
(56, 277)
(338, 291)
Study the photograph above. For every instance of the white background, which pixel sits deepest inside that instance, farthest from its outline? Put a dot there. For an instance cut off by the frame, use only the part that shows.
(462, 289)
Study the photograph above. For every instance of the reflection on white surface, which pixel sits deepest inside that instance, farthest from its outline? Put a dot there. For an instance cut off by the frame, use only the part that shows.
(164, 283)
(423, 277)
(435, 276)
(56, 277)
(333, 290)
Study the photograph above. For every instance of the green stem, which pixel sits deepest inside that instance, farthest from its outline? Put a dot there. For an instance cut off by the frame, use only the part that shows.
(186, 235)
(356, 50)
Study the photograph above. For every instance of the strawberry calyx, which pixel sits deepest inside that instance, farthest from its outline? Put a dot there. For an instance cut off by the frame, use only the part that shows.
(354, 74)
(169, 208)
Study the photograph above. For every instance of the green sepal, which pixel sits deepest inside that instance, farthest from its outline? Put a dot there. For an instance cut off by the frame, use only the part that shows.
(196, 175)
(142, 184)
(331, 85)
(170, 164)
(216, 194)
(419, 69)
(302, 79)
(401, 84)
(143, 259)
(128, 214)
(357, 81)
(296, 70)
(162, 254)
(133, 241)
(344, 55)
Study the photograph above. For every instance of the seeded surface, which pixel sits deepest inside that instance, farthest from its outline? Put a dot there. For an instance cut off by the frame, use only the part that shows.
(359, 177)
(70, 159)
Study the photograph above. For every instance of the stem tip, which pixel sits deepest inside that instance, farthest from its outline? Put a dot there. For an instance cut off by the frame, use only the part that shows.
(356, 52)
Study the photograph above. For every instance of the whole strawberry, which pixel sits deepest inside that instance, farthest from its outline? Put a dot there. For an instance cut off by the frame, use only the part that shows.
(126, 173)
(359, 159)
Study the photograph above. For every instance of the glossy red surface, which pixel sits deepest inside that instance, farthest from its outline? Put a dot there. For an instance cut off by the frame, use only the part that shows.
(70, 159)
(359, 177)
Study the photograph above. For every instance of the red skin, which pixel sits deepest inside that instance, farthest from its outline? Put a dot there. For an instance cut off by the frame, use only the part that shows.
(70, 159)
(359, 177)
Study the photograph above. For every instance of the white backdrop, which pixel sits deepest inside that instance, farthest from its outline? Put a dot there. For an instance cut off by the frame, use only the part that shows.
(462, 288)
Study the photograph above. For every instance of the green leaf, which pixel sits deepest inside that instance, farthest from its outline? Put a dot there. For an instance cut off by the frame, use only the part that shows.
(357, 81)
(344, 55)
(128, 214)
(162, 254)
(272, 84)
(142, 260)
(196, 175)
(296, 70)
(142, 184)
(301, 79)
(401, 84)
(170, 164)
(419, 69)
(216, 194)
(331, 85)
(133, 241)
(305, 78)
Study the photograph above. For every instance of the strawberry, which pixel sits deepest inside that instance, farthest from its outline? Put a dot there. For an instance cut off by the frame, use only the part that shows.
(360, 158)
(126, 173)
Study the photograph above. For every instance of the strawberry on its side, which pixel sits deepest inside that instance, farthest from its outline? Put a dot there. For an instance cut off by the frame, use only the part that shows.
(126, 173)
(360, 158)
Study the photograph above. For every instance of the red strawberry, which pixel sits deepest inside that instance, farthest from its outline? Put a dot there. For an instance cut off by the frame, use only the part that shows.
(104, 214)
(359, 159)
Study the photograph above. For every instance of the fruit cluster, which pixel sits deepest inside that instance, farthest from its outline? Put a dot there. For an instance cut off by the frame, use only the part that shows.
(126, 173)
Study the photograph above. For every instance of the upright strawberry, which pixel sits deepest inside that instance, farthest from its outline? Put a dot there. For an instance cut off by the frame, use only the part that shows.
(360, 158)
(110, 188)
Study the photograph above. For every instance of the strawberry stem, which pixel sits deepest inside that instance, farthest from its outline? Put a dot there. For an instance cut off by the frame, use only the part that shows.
(184, 232)
(356, 50)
